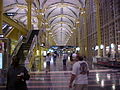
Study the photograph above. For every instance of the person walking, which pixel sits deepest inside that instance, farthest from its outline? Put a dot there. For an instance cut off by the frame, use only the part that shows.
(79, 75)
(17, 76)
(54, 57)
(48, 59)
(65, 58)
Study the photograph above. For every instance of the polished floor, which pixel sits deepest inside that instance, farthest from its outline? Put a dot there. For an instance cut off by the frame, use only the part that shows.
(100, 78)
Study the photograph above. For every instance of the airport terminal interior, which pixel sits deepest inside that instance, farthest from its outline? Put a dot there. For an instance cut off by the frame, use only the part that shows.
(30, 29)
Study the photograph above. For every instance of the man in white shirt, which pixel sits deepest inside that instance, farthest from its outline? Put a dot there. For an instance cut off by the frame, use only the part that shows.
(79, 74)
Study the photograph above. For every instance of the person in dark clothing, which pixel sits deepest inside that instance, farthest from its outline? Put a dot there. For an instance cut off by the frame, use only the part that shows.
(54, 57)
(109, 54)
(65, 58)
(17, 76)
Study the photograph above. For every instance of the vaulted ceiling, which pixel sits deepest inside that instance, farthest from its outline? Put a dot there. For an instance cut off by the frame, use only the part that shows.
(60, 15)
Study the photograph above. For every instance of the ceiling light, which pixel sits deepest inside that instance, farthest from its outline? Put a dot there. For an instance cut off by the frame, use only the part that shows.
(77, 22)
(50, 33)
(47, 29)
(46, 23)
(74, 28)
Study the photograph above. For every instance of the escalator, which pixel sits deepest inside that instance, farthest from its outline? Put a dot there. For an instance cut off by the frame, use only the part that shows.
(23, 45)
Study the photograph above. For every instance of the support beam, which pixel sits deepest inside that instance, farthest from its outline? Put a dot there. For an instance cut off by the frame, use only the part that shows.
(1, 15)
(40, 17)
(29, 22)
(86, 39)
(98, 26)
(14, 24)
(14, 34)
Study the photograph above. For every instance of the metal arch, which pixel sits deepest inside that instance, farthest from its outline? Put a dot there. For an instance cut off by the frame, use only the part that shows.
(54, 33)
(16, 11)
(63, 31)
(21, 17)
(64, 17)
(24, 15)
(72, 11)
(9, 7)
(61, 23)
(61, 27)
(64, 23)
(66, 3)
(56, 8)
(73, 4)
(13, 5)
(50, 13)
(81, 2)
(34, 4)
(44, 3)
(66, 33)
(37, 2)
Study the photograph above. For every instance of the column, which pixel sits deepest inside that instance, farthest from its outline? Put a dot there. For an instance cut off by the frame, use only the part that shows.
(29, 23)
(83, 13)
(97, 2)
(77, 29)
(86, 44)
(40, 16)
(1, 15)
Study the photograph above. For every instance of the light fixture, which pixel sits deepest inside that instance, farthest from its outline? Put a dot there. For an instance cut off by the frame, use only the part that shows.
(101, 46)
(50, 33)
(77, 22)
(74, 28)
(96, 47)
(112, 45)
(78, 49)
(37, 53)
(47, 29)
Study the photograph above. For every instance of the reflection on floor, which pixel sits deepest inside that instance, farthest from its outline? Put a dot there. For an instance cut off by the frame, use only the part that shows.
(100, 78)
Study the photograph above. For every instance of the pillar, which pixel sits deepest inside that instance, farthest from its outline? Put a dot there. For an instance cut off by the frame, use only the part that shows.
(83, 14)
(40, 17)
(97, 2)
(29, 23)
(85, 29)
(1, 15)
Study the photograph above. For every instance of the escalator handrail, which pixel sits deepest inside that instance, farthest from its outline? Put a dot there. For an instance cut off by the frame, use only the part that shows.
(28, 36)
(31, 47)
(20, 42)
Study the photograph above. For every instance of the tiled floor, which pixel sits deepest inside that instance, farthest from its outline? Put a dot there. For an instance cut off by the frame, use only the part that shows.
(100, 78)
